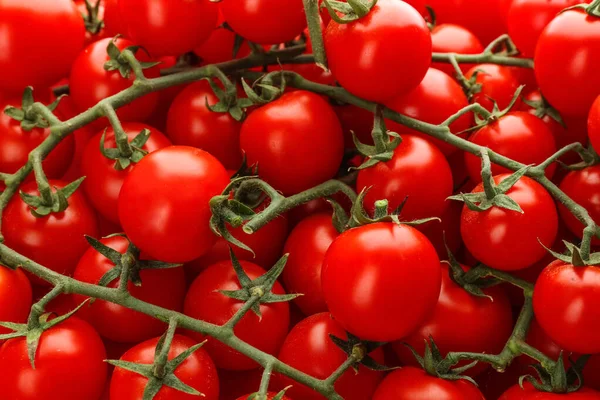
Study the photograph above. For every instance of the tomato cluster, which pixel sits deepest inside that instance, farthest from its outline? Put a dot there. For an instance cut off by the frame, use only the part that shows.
(211, 228)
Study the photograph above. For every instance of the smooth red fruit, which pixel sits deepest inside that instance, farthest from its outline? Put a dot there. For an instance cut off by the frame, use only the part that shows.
(451, 38)
(15, 296)
(219, 47)
(357, 120)
(445, 232)
(498, 84)
(114, 24)
(594, 124)
(516, 392)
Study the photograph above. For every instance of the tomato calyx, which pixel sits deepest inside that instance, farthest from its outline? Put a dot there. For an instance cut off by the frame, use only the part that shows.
(472, 284)
(573, 256)
(279, 396)
(383, 150)
(592, 9)
(27, 115)
(134, 152)
(496, 114)
(557, 379)
(358, 351)
(344, 12)
(542, 108)
(228, 100)
(91, 19)
(117, 61)
(52, 201)
(266, 91)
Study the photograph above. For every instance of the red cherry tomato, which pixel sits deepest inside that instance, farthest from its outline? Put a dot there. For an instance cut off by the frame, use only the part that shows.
(382, 55)
(374, 274)
(114, 23)
(446, 232)
(296, 139)
(435, 99)
(451, 38)
(594, 124)
(195, 20)
(357, 120)
(40, 40)
(103, 182)
(498, 83)
(163, 204)
(565, 58)
(69, 364)
(309, 348)
(219, 46)
(488, 234)
(197, 371)
(204, 301)
(15, 297)
(91, 37)
(419, 171)
(530, 393)
(517, 135)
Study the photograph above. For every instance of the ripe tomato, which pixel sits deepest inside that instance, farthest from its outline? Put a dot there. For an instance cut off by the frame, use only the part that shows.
(562, 302)
(161, 287)
(17, 143)
(90, 83)
(451, 38)
(296, 140)
(40, 41)
(488, 234)
(565, 56)
(63, 233)
(446, 232)
(103, 182)
(219, 47)
(435, 99)
(357, 120)
(419, 171)
(312, 72)
(262, 21)
(15, 296)
(91, 36)
(583, 187)
(309, 348)
(307, 244)
(205, 302)
(270, 396)
(197, 371)
(195, 20)
(163, 204)
(517, 135)
(594, 124)
(381, 281)
(191, 123)
(530, 393)
(69, 365)
(410, 383)
(498, 83)
(398, 44)
(114, 23)
(452, 327)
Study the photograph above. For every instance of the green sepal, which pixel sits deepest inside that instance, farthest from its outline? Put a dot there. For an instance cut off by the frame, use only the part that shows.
(457, 275)
(123, 162)
(346, 12)
(278, 396)
(91, 20)
(339, 217)
(557, 379)
(572, 255)
(28, 119)
(360, 349)
(117, 62)
(59, 204)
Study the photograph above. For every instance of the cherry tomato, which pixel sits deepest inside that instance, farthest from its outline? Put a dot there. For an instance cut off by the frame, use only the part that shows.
(419, 171)
(163, 204)
(451, 38)
(191, 123)
(452, 324)
(297, 141)
(446, 232)
(435, 99)
(594, 124)
(195, 20)
(103, 182)
(518, 135)
(376, 273)
(565, 56)
(410, 383)
(562, 302)
(219, 46)
(114, 23)
(90, 83)
(309, 348)
(357, 120)
(62, 233)
(197, 371)
(488, 234)
(498, 84)
(91, 36)
(69, 365)
(262, 21)
(398, 44)
(204, 301)
(40, 40)
(530, 393)
(15, 296)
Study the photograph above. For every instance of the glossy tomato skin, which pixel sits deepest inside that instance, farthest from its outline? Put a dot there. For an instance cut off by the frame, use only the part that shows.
(197, 371)
(498, 83)
(435, 99)
(451, 38)
(410, 383)
(191, 123)
(565, 58)
(417, 170)
(63, 233)
(262, 21)
(583, 187)
(18, 143)
(103, 182)
(309, 348)
(488, 234)
(90, 83)
(518, 135)
(219, 47)
(40, 41)
(594, 124)
(446, 232)
(114, 24)
(69, 365)
(297, 141)
(307, 244)
(381, 281)
(161, 287)
(15, 296)
(398, 43)
(174, 178)
(562, 301)
(204, 301)
(530, 393)
(357, 120)
(462, 322)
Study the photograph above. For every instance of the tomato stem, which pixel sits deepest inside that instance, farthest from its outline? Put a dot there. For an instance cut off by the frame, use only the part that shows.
(313, 17)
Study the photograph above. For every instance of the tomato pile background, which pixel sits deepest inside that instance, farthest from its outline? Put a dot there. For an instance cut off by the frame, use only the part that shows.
(299, 199)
